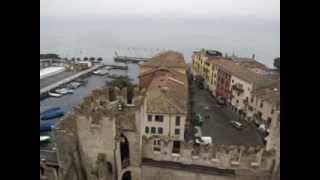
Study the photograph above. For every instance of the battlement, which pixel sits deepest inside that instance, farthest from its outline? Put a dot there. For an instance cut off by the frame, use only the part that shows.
(219, 156)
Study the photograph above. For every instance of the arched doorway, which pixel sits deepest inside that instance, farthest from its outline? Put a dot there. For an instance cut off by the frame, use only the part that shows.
(124, 151)
(126, 176)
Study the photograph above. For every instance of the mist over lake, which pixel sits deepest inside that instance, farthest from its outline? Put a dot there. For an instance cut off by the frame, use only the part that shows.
(136, 36)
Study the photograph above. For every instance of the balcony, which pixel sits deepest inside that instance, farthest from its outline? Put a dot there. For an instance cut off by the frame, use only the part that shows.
(237, 88)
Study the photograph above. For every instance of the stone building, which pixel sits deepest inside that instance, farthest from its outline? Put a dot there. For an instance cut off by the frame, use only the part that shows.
(105, 137)
(265, 103)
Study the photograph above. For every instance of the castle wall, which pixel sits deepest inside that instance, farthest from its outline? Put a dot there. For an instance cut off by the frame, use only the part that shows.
(162, 173)
(219, 156)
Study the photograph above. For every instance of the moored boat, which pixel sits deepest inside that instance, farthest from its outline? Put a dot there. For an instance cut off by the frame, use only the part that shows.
(50, 110)
(44, 138)
(46, 126)
(54, 94)
(62, 91)
(74, 85)
(52, 115)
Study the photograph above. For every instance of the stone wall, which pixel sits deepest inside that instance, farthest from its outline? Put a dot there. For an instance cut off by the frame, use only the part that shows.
(220, 156)
(158, 173)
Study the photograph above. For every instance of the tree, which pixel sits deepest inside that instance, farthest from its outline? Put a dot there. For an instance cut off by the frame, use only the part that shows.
(73, 59)
(49, 56)
(85, 58)
(124, 81)
(78, 59)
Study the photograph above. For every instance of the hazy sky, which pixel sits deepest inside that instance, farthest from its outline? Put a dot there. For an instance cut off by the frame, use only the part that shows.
(165, 8)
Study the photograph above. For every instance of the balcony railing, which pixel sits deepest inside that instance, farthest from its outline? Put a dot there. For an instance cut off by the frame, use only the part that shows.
(237, 88)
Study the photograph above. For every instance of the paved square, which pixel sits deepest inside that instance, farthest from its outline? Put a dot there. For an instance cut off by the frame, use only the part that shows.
(218, 124)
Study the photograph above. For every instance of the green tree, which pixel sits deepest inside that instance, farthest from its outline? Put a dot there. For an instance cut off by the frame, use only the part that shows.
(124, 81)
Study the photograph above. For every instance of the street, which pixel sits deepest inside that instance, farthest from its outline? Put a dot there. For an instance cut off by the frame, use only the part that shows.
(218, 124)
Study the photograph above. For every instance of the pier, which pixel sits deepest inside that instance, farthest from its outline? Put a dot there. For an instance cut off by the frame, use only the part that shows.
(54, 85)
(126, 59)
(45, 90)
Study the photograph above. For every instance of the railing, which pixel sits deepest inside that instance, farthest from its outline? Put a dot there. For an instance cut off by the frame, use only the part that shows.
(237, 88)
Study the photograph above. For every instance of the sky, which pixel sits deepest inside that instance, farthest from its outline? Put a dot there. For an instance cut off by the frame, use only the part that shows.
(269, 9)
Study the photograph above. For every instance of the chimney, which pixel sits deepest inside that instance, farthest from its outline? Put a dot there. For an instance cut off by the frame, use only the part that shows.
(253, 56)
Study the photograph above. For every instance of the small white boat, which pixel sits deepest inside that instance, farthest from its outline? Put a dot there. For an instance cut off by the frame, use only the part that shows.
(54, 94)
(74, 85)
(62, 91)
(44, 138)
(101, 72)
(70, 91)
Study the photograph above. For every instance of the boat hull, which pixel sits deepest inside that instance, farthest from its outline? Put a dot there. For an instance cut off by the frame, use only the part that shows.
(46, 127)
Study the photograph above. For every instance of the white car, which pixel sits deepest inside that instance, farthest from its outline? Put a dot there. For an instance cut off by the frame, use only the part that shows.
(204, 140)
(236, 124)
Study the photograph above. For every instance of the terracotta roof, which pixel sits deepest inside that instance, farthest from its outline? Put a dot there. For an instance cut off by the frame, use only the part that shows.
(160, 68)
(240, 71)
(167, 58)
(167, 94)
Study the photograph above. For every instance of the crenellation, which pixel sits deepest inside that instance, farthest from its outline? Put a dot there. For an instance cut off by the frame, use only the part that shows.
(223, 156)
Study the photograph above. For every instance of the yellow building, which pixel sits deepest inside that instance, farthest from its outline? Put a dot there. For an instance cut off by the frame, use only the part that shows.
(202, 65)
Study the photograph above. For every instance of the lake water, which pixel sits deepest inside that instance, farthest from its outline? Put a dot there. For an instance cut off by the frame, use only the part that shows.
(90, 36)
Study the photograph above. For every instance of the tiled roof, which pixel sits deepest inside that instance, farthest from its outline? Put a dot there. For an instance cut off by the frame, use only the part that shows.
(167, 58)
(167, 94)
(240, 71)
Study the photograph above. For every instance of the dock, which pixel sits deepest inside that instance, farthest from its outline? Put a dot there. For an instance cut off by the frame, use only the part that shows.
(126, 59)
(45, 90)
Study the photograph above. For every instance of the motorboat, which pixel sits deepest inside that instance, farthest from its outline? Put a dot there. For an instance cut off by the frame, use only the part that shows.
(70, 91)
(74, 85)
(44, 138)
(44, 127)
(50, 110)
(62, 91)
(54, 94)
(101, 72)
(51, 113)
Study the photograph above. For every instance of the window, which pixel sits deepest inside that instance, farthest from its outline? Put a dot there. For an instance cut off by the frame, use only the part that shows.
(156, 142)
(149, 117)
(147, 129)
(160, 130)
(252, 99)
(176, 147)
(156, 145)
(177, 120)
(232, 81)
(153, 130)
(237, 101)
(272, 111)
(159, 118)
(261, 104)
(248, 89)
(177, 131)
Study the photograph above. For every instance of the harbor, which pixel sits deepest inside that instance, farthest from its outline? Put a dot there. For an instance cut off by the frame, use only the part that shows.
(67, 101)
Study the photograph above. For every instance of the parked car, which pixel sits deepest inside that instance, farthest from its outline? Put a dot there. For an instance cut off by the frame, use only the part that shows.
(236, 124)
(204, 140)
